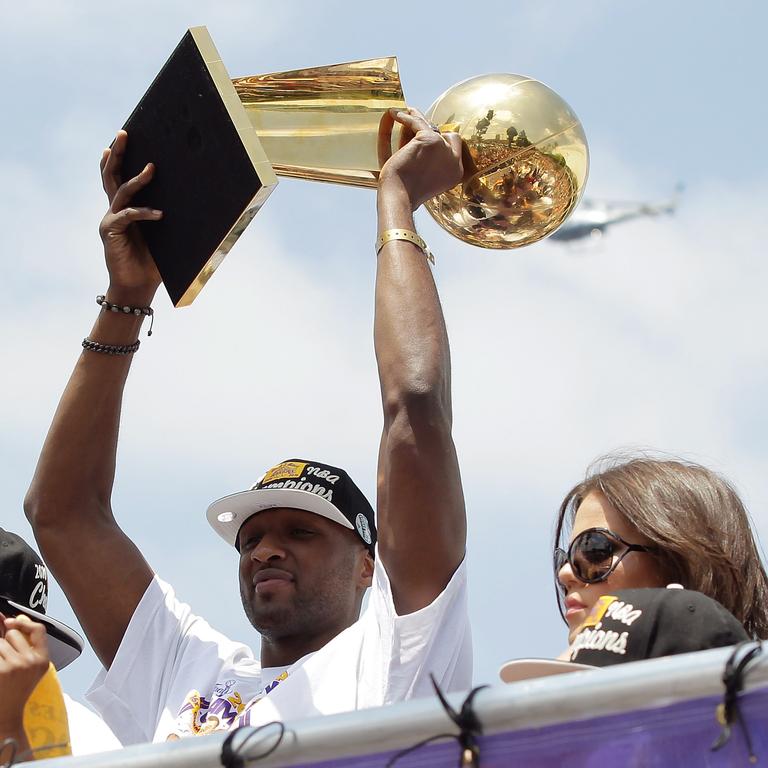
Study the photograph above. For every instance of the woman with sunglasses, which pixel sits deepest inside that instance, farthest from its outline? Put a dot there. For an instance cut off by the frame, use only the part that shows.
(649, 523)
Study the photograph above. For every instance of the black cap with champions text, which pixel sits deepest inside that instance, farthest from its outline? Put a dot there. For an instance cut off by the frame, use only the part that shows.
(638, 624)
(24, 589)
(635, 624)
(298, 484)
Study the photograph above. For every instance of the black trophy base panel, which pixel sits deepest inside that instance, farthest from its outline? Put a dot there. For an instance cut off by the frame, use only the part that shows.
(204, 179)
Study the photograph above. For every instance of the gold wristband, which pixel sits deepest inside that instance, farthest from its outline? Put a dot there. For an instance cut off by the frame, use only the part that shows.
(404, 234)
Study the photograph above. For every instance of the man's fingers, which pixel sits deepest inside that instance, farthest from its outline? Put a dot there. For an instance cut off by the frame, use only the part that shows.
(17, 639)
(414, 122)
(35, 632)
(416, 113)
(22, 622)
(384, 137)
(119, 144)
(411, 119)
(118, 222)
(126, 191)
(111, 162)
(110, 181)
(407, 133)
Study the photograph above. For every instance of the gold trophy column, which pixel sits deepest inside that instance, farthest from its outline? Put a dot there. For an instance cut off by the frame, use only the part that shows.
(323, 123)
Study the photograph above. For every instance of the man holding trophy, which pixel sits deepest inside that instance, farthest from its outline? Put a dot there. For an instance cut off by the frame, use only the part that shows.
(306, 536)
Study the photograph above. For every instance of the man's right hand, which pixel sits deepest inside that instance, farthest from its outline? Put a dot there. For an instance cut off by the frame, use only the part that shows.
(133, 275)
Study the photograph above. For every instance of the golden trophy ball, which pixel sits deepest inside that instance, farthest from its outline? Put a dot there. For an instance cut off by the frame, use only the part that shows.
(526, 161)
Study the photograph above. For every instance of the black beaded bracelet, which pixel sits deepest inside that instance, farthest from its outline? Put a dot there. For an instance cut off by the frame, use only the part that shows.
(111, 349)
(107, 306)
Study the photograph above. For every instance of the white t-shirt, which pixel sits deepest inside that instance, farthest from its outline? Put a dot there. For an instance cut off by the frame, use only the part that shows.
(88, 733)
(175, 676)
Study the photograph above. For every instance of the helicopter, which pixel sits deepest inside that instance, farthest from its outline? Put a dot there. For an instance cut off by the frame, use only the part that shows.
(593, 217)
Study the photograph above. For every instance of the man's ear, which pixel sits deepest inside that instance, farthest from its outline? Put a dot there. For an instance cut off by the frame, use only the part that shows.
(366, 570)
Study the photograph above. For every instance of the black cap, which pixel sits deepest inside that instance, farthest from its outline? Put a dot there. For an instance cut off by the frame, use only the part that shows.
(299, 484)
(24, 589)
(635, 624)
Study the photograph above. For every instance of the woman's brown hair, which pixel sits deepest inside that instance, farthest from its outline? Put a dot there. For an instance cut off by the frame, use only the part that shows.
(698, 522)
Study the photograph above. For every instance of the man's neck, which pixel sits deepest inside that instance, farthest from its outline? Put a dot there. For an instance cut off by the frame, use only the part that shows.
(284, 651)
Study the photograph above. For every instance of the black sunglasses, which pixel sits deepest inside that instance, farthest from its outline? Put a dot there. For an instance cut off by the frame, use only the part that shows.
(594, 554)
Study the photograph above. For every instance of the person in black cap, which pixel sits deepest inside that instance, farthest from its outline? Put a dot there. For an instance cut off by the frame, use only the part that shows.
(24, 653)
(308, 544)
(24, 590)
(29, 639)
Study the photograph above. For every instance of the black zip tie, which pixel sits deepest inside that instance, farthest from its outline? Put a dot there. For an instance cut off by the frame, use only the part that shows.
(728, 709)
(468, 724)
(234, 758)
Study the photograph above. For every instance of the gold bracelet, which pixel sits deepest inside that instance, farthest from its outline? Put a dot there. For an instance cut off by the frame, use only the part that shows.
(404, 234)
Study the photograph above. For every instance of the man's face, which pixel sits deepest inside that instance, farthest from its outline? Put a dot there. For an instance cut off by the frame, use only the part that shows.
(300, 573)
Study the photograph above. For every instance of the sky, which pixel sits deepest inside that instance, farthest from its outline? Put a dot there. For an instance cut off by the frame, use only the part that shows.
(651, 339)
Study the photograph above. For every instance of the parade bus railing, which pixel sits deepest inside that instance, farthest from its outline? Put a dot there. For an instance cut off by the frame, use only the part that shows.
(659, 713)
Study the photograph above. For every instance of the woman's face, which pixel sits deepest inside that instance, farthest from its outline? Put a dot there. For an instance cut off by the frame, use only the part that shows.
(637, 569)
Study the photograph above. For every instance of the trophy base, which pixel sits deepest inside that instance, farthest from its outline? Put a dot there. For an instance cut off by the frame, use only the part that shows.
(211, 173)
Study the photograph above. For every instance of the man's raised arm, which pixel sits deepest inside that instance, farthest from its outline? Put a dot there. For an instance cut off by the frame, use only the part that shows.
(421, 516)
(68, 503)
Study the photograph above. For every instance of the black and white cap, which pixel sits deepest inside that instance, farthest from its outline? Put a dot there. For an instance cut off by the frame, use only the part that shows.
(24, 589)
(298, 484)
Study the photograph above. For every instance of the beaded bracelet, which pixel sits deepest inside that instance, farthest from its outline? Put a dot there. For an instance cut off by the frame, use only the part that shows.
(111, 349)
(107, 306)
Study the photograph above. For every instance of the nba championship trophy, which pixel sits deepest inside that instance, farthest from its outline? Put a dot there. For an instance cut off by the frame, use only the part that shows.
(218, 145)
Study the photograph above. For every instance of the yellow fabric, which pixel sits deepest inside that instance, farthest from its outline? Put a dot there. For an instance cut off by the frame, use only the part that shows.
(45, 718)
